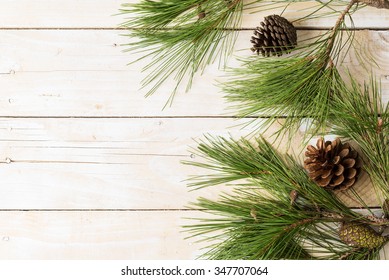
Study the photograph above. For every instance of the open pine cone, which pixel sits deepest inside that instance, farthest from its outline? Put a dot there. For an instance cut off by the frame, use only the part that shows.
(275, 36)
(332, 165)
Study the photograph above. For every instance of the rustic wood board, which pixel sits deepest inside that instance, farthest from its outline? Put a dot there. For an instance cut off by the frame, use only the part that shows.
(91, 169)
(106, 163)
(85, 73)
(139, 235)
(78, 235)
(88, 14)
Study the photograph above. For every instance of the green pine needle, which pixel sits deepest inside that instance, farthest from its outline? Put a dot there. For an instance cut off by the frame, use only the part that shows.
(361, 116)
(296, 87)
(182, 37)
(258, 220)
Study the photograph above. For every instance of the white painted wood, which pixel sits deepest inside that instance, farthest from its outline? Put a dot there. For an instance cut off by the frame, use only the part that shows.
(97, 235)
(94, 235)
(101, 163)
(300, 14)
(132, 163)
(55, 13)
(84, 73)
(104, 14)
(111, 163)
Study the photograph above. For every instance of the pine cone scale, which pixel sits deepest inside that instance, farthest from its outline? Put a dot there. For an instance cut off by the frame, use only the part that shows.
(348, 163)
(323, 182)
(336, 160)
(339, 170)
(343, 153)
(337, 181)
(351, 173)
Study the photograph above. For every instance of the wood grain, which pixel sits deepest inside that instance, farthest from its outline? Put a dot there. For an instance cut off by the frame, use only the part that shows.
(84, 73)
(104, 235)
(101, 163)
(111, 163)
(96, 162)
(93, 235)
(88, 14)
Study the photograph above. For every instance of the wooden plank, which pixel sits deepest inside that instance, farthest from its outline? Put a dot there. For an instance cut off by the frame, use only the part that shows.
(103, 14)
(78, 235)
(96, 235)
(101, 163)
(59, 14)
(84, 73)
(112, 163)
(367, 17)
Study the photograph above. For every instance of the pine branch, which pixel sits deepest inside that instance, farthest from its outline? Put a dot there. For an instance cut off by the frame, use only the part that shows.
(361, 116)
(296, 87)
(258, 220)
(335, 29)
(182, 37)
(380, 4)
(262, 167)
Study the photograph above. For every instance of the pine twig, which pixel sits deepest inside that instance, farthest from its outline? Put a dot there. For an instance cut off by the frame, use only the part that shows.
(380, 4)
(272, 216)
(335, 29)
(182, 37)
(377, 221)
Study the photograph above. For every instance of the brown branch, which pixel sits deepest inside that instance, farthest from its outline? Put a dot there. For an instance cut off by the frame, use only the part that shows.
(379, 125)
(380, 4)
(346, 255)
(300, 223)
(377, 221)
(335, 28)
(331, 215)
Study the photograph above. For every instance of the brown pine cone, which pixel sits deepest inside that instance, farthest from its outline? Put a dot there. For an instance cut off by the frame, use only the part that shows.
(332, 165)
(361, 236)
(275, 36)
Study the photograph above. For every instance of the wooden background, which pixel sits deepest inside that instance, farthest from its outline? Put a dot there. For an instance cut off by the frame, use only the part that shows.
(90, 169)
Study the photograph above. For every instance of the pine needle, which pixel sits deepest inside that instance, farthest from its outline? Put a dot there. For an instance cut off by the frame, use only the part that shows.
(258, 220)
(361, 116)
(296, 87)
(182, 37)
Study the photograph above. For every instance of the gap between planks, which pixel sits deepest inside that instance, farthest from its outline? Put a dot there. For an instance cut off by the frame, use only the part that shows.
(298, 28)
(104, 210)
(137, 210)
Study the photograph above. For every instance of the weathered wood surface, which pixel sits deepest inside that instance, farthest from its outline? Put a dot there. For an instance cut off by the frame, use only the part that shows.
(92, 235)
(109, 163)
(136, 235)
(88, 14)
(84, 73)
(90, 168)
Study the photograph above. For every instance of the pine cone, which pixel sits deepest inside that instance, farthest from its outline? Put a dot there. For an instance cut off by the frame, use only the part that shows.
(361, 236)
(275, 36)
(332, 165)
